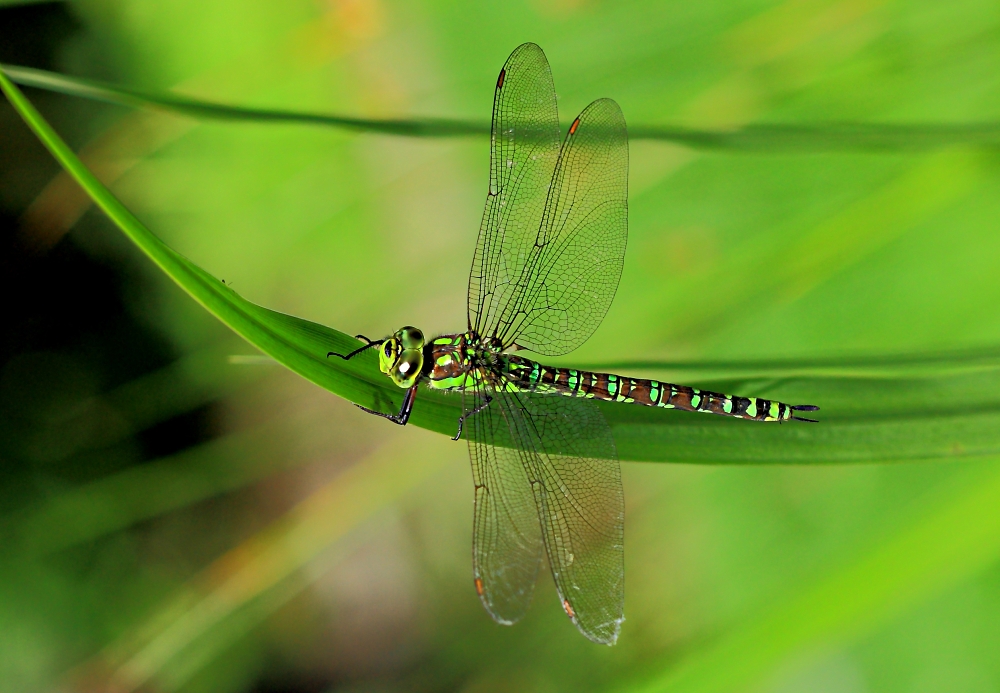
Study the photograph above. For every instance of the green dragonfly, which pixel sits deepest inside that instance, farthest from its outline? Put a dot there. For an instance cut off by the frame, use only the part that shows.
(546, 267)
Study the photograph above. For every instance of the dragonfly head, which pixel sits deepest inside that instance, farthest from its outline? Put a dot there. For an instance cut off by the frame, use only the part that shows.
(401, 356)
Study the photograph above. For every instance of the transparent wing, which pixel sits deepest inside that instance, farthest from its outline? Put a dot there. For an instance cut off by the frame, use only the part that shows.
(569, 468)
(525, 148)
(507, 541)
(568, 279)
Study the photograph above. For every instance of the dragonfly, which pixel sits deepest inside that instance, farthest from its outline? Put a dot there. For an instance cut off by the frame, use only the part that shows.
(546, 267)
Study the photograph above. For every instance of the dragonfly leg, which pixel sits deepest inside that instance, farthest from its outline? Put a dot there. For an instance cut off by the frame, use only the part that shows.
(404, 412)
(463, 417)
(357, 351)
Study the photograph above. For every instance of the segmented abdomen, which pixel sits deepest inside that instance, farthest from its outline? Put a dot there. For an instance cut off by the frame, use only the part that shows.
(651, 393)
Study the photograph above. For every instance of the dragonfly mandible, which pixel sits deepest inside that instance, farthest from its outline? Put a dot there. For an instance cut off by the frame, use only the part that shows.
(546, 268)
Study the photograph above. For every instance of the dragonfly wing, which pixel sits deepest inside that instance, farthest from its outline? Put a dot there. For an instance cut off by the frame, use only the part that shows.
(507, 543)
(525, 148)
(572, 467)
(566, 284)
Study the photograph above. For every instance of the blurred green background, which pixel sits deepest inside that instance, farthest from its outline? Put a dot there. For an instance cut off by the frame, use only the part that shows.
(176, 515)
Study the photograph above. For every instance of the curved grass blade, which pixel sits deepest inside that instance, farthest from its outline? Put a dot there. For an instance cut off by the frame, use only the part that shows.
(769, 137)
(137, 98)
(827, 137)
(864, 420)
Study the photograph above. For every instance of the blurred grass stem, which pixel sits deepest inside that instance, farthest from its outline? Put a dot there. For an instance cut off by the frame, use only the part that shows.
(762, 137)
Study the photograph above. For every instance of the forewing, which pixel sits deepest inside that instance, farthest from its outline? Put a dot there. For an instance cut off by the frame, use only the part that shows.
(525, 147)
(566, 284)
(507, 543)
(575, 478)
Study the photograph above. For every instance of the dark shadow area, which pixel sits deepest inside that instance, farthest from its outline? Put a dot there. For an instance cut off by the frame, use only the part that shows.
(68, 335)
(31, 33)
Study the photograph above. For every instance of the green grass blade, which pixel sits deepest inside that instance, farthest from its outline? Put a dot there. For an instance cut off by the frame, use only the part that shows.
(137, 98)
(769, 137)
(832, 136)
(864, 420)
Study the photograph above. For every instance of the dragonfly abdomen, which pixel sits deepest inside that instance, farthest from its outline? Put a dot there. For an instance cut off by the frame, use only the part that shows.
(651, 393)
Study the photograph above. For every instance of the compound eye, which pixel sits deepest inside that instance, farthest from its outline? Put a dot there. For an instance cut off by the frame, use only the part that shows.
(387, 355)
(407, 368)
(411, 338)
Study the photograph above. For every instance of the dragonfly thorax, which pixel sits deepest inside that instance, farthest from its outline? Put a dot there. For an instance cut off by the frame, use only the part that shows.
(460, 361)
(484, 350)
